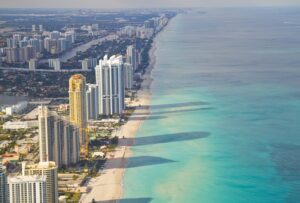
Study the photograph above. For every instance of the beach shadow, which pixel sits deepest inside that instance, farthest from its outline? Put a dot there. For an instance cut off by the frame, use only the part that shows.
(140, 161)
(142, 118)
(127, 200)
(185, 104)
(166, 138)
(178, 111)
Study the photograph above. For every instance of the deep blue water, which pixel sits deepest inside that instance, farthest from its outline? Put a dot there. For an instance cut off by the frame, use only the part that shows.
(225, 117)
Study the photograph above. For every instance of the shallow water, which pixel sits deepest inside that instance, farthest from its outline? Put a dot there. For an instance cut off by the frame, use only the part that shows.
(226, 111)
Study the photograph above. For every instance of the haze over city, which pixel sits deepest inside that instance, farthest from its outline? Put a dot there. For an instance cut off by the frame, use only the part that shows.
(142, 3)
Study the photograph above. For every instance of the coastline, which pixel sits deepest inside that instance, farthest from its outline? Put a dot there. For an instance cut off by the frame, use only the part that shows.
(108, 187)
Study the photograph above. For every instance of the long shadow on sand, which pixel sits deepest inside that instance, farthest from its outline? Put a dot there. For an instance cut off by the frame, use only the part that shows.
(127, 200)
(166, 138)
(185, 104)
(140, 161)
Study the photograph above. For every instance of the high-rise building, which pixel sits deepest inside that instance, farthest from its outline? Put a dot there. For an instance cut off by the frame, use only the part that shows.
(33, 64)
(110, 81)
(3, 184)
(11, 43)
(54, 63)
(131, 57)
(41, 28)
(47, 170)
(77, 87)
(85, 64)
(58, 139)
(29, 189)
(33, 28)
(92, 101)
(62, 44)
(128, 76)
(54, 35)
(12, 55)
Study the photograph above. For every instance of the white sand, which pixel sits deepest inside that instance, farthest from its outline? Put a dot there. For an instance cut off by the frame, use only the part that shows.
(109, 187)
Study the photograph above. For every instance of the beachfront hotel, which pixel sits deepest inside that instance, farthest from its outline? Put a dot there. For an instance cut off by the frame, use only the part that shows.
(58, 138)
(77, 100)
(110, 80)
(47, 170)
(29, 189)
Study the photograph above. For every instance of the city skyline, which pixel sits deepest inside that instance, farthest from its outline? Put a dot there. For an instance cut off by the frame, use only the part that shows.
(142, 4)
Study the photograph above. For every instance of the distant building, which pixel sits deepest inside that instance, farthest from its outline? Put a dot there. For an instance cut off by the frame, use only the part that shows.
(92, 101)
(33, 28)
(55, 63)
(41, 28)
(110, 81)
(55, 35)
(3, 184)
(58, 139)
(17, 125)
(29, 189)
(49, 171)
(85, 64)
(77, 99)
(33, 64)
(15, 109)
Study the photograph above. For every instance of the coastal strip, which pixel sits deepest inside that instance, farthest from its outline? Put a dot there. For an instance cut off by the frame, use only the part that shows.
(108, 187)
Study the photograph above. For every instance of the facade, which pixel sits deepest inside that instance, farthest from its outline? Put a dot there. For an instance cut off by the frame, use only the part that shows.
(3, 184)
(131, 57)
(128, 76)
(16, 125)
(49, 171)
(29, 189)
(77, 99)
(33, 64)
(58, 139)
(92, 101)
(110, 81)
(15, 109)
(54, 63)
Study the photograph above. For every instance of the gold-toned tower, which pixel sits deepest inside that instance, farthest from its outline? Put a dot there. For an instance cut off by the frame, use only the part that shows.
(77, 85)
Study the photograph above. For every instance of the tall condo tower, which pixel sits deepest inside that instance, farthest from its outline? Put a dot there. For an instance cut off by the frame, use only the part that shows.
(29, 189)
(92, 101)
(77, 97)
(131, 56)
(110, 81)
(58, 138)
(47, 170)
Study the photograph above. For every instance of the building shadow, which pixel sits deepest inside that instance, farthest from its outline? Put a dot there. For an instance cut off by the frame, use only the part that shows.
(177, 111)
(141, 118)
(185, 104)
(165, 138)
(134, 162)
(127, 200)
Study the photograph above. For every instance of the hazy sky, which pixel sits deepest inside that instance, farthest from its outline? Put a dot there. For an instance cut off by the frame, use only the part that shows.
(140, 3)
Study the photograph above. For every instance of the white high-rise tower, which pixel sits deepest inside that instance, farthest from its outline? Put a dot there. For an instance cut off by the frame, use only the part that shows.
(110, 81)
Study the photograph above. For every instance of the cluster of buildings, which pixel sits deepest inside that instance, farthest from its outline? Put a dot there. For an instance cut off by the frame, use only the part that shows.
(15, 109)
(38, 183)
(146, 31)
(23, 49)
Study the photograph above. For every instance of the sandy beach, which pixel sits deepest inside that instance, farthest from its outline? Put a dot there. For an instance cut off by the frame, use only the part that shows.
(108, 187)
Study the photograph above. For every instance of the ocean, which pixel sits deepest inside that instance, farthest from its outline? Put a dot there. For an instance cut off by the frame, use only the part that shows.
(225, 122)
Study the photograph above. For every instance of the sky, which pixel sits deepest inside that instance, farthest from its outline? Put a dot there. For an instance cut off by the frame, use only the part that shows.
(141, 3)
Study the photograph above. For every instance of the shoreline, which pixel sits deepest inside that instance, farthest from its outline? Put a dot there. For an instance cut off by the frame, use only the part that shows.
(108, 187)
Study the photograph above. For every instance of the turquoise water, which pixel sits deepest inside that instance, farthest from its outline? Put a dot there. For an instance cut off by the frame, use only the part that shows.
(225, 117)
